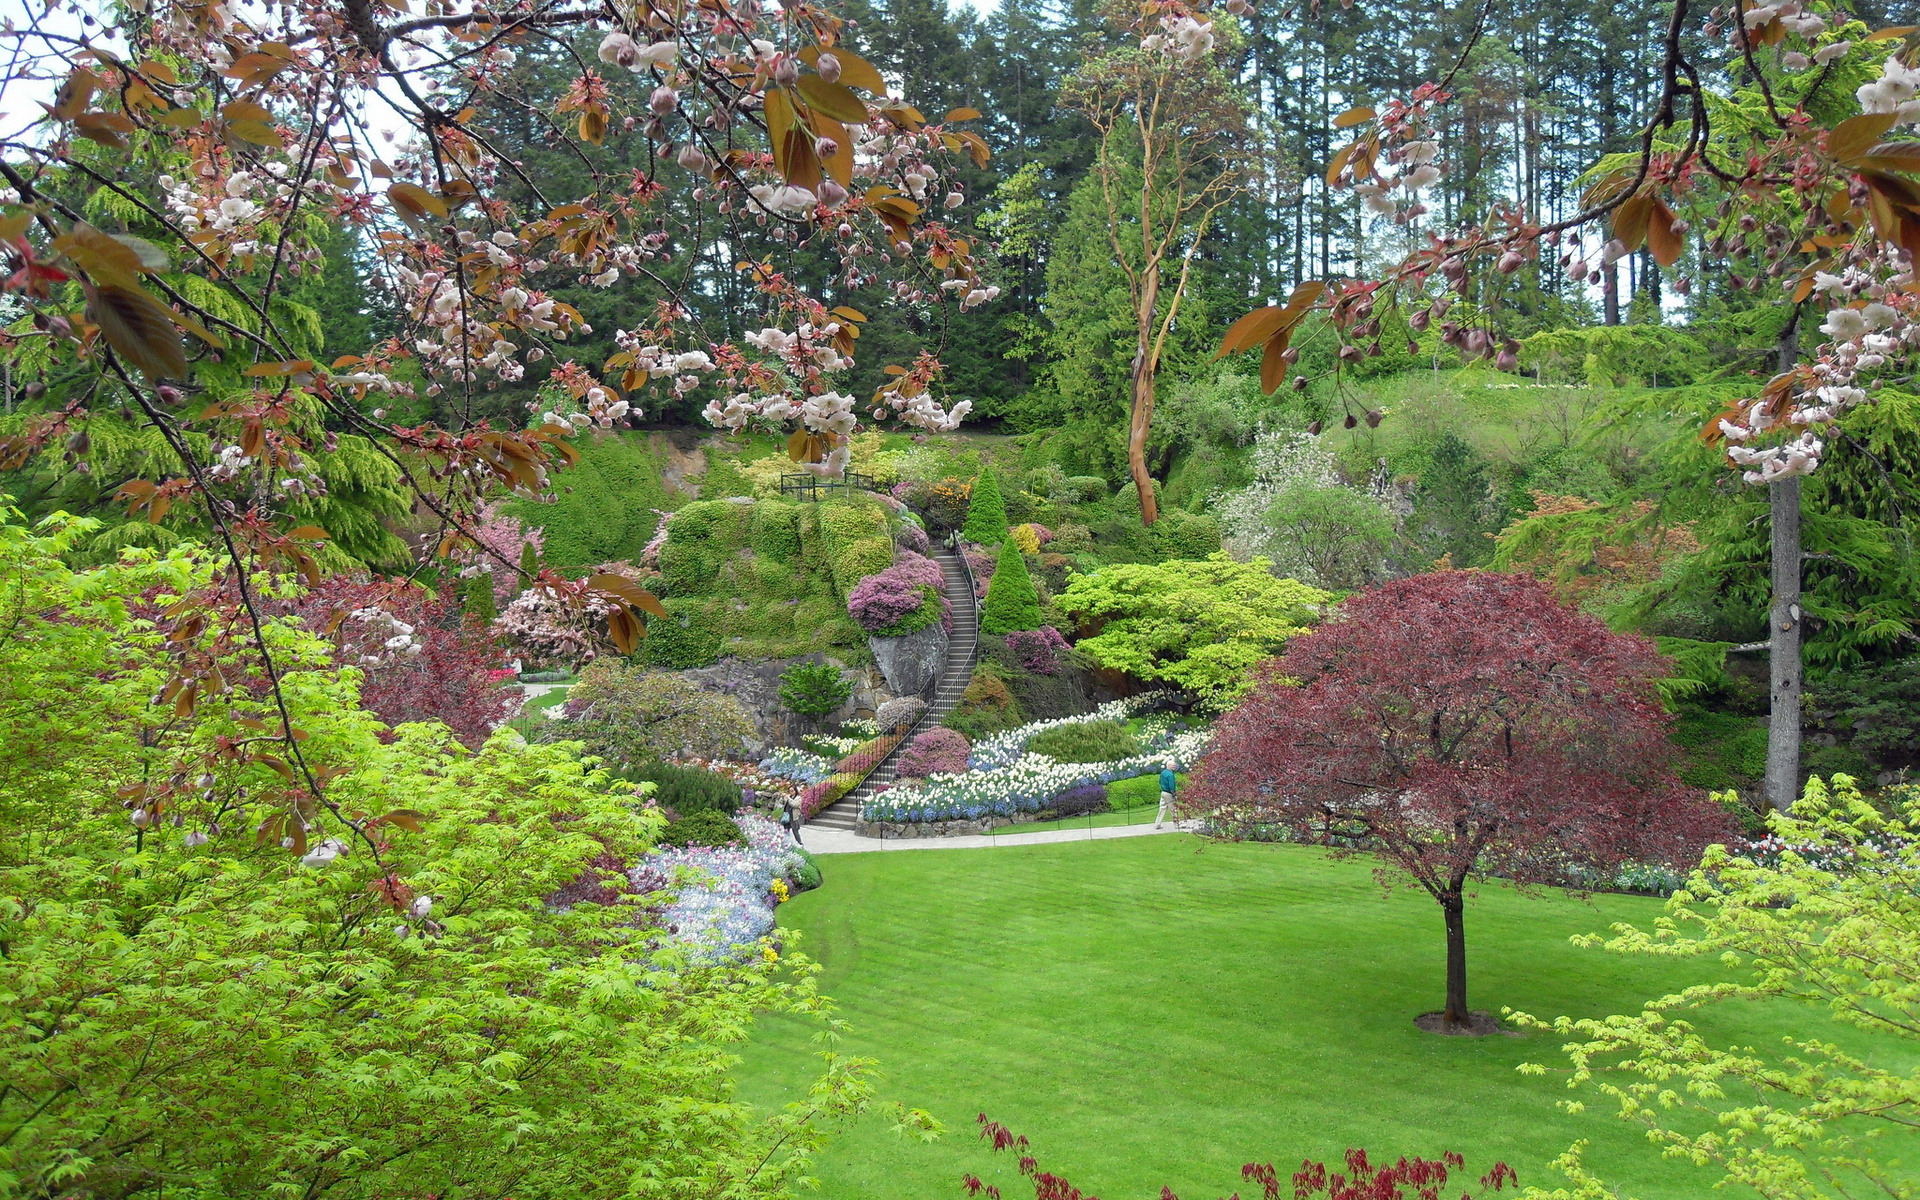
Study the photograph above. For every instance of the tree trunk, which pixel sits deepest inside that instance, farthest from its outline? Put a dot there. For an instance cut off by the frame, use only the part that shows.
(1140, 418)
(1782, 782)
(1453, 907)
(1783, 716)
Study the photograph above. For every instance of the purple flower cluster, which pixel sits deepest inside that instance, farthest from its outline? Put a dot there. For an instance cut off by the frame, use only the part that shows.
(936, 750)
(912, 537)
(895, 601)
(1039, 650)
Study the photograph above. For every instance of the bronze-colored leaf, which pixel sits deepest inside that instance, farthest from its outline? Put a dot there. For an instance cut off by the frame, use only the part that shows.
(1273, 361)
(593, 126)
(834, 99)
(105, 259)
(416, 201)
(139, 328)
(1665, 244)
(1352, 117)
(1630, 219)
(624, 629)
(1854, 136)
(961, 114)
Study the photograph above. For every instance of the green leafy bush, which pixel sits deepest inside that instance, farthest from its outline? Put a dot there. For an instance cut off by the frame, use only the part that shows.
(239, 1019)
(1086, 742)
(987, 706)
(605, 511)
(630, 715)
(686, 640)
(986, 512)
(1011, 602)
(706, 827)
(776, 531)
(814, 689)
(1182, 534)
(1084, 489)
(806, 876)
(688, 790)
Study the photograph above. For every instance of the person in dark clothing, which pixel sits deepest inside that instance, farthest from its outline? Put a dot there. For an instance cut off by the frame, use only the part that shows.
(1169, 783)
(790, 818)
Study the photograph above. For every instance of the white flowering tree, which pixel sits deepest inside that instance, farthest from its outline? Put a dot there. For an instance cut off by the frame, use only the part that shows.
(1778, 151)
(1172, 136)
(1301, 517)
(191, 158)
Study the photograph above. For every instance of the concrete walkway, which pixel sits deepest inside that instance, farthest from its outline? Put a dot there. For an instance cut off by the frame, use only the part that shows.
(834, 841)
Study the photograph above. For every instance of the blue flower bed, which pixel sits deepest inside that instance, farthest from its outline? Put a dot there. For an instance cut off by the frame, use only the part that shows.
(723, 896)
(797, 765)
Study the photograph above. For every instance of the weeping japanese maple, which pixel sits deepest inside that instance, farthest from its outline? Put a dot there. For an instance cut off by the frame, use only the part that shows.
(1460, 725)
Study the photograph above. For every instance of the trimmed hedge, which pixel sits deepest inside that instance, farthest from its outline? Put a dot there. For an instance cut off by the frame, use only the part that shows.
(1086, 742)
(986, 512)
(707, 827)
(688, 790)
(1011, 602)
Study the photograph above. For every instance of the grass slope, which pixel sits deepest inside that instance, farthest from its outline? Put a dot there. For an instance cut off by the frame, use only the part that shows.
(1160, 1010)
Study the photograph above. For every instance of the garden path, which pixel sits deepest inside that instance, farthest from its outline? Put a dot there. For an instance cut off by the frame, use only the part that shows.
(845, 841)
(954, 677)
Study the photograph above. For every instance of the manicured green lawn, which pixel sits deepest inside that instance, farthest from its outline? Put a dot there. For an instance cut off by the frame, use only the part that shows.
(1160, 1010)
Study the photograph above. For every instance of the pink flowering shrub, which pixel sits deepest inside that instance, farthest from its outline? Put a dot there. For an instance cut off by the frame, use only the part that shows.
(1039, 650)
(912, 537)
(981, 564)
(941, 751)
(502, 540)
(904, 598)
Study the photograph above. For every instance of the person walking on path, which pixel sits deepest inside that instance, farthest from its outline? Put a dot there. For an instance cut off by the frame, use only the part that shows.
(1168, 784)
(791, 820)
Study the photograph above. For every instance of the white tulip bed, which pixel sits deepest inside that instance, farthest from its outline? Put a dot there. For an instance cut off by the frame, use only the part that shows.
(1007, 780)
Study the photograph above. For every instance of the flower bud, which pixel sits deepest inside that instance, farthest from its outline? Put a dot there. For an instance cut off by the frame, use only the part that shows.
(786, 71)
(828, 66)
(663, 101)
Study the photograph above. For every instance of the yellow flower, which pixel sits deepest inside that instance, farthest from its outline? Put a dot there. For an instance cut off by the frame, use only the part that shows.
(780, 893)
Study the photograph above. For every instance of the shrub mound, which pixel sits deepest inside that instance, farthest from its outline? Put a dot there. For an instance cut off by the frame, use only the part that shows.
(1086, 742)
(707, 827)
(942, 751)
(905, 598)
(688, 790)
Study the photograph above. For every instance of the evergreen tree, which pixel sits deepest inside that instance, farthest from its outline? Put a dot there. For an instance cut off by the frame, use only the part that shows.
(478, 600)
(986, 513)
(1011, 603)
(1453, 511)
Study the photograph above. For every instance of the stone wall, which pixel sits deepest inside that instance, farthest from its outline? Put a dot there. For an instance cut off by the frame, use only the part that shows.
(931, 829)
(756, 684)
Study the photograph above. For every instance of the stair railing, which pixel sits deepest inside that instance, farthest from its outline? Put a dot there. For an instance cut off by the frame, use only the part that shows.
(900, 740)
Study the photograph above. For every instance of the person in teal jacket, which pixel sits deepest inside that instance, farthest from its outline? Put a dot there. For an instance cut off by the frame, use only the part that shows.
(1168, 784)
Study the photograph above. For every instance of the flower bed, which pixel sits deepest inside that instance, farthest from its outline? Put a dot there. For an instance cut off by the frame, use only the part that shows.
(1004, 749)
(724, 897)
(799, 766)
(847, 775)
(1025, 785)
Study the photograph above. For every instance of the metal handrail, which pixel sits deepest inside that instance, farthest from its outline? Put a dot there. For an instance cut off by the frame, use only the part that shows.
(953, 543)
(813, 485)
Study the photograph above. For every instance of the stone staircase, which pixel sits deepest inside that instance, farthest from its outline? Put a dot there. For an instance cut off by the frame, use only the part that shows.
(962, 647)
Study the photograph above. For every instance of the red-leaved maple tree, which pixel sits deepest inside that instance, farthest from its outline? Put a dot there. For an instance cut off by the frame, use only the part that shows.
(420, 659)
(1460, 725)
(1363, 1179)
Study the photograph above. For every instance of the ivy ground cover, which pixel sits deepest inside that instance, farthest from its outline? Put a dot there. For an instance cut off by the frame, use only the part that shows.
(1160, 1010)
